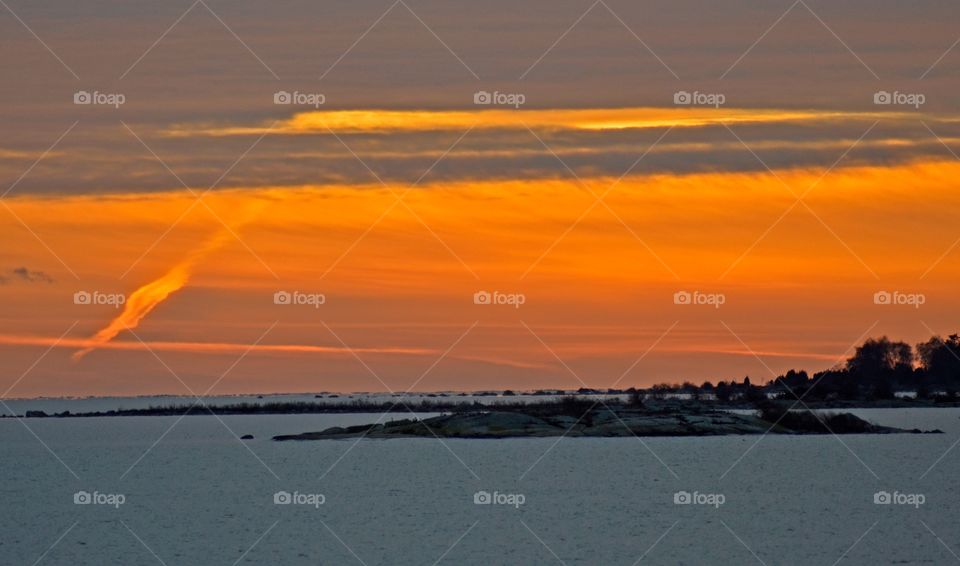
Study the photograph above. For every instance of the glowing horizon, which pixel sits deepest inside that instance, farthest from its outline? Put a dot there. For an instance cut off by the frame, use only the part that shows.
(508, 236)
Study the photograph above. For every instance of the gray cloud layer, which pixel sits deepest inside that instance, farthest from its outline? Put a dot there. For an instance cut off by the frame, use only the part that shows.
(201, 73)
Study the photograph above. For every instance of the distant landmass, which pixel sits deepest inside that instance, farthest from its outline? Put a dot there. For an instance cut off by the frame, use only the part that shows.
(576, 420)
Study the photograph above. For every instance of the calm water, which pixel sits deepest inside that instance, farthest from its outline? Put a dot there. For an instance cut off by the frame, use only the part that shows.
(192, 493)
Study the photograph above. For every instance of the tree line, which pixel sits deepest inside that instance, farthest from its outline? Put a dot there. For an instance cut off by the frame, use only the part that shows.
(878, 369)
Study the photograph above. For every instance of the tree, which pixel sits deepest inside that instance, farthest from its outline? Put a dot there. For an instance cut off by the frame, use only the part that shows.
(723, 391)
(794, 379)
(660, 390)
(878, 357)
(939, 359)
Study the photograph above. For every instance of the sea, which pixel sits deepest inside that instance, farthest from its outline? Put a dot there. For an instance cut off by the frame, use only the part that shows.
(190, 490)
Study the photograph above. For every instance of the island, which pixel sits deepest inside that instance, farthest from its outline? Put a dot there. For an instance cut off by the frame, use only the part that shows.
(607, 421)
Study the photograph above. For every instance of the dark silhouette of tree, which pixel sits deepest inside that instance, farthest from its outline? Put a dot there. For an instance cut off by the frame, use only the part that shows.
(879, 356)
(879, 367)
(723, 391)
(940, 359)
(792, 383)
(795, 379)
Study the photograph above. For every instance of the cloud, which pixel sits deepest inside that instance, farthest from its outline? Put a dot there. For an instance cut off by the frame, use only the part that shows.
(588, 119)
(142, 301)
(400, 145)
(89, 344)
(24, 275)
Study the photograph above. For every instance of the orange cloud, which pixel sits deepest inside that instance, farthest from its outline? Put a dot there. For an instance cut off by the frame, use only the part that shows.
(89, 344)
(358, 121)
(142, 301)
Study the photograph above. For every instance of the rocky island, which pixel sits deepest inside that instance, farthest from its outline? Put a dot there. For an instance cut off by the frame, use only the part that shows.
(607, 421)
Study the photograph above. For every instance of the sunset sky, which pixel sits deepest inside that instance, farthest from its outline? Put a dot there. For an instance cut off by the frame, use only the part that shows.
(199, 199)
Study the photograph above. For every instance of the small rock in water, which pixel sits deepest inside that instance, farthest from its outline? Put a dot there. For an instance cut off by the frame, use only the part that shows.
(246, 437)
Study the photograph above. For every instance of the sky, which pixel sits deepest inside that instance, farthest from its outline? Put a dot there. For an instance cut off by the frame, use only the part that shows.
(420, 195)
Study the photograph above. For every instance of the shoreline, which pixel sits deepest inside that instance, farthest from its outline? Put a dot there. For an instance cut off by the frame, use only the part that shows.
(496, 404)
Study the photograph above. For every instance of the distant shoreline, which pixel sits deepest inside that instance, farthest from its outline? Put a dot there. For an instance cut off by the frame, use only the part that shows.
(447, 405)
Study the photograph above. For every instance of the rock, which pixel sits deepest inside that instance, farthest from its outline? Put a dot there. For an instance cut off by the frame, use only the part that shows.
(246, 437)
(602, 422)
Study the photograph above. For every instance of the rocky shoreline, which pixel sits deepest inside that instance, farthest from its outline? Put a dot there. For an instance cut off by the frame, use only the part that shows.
(605, 422)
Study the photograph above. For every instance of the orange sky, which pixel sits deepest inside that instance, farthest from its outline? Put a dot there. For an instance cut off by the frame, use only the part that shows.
(398, 277)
